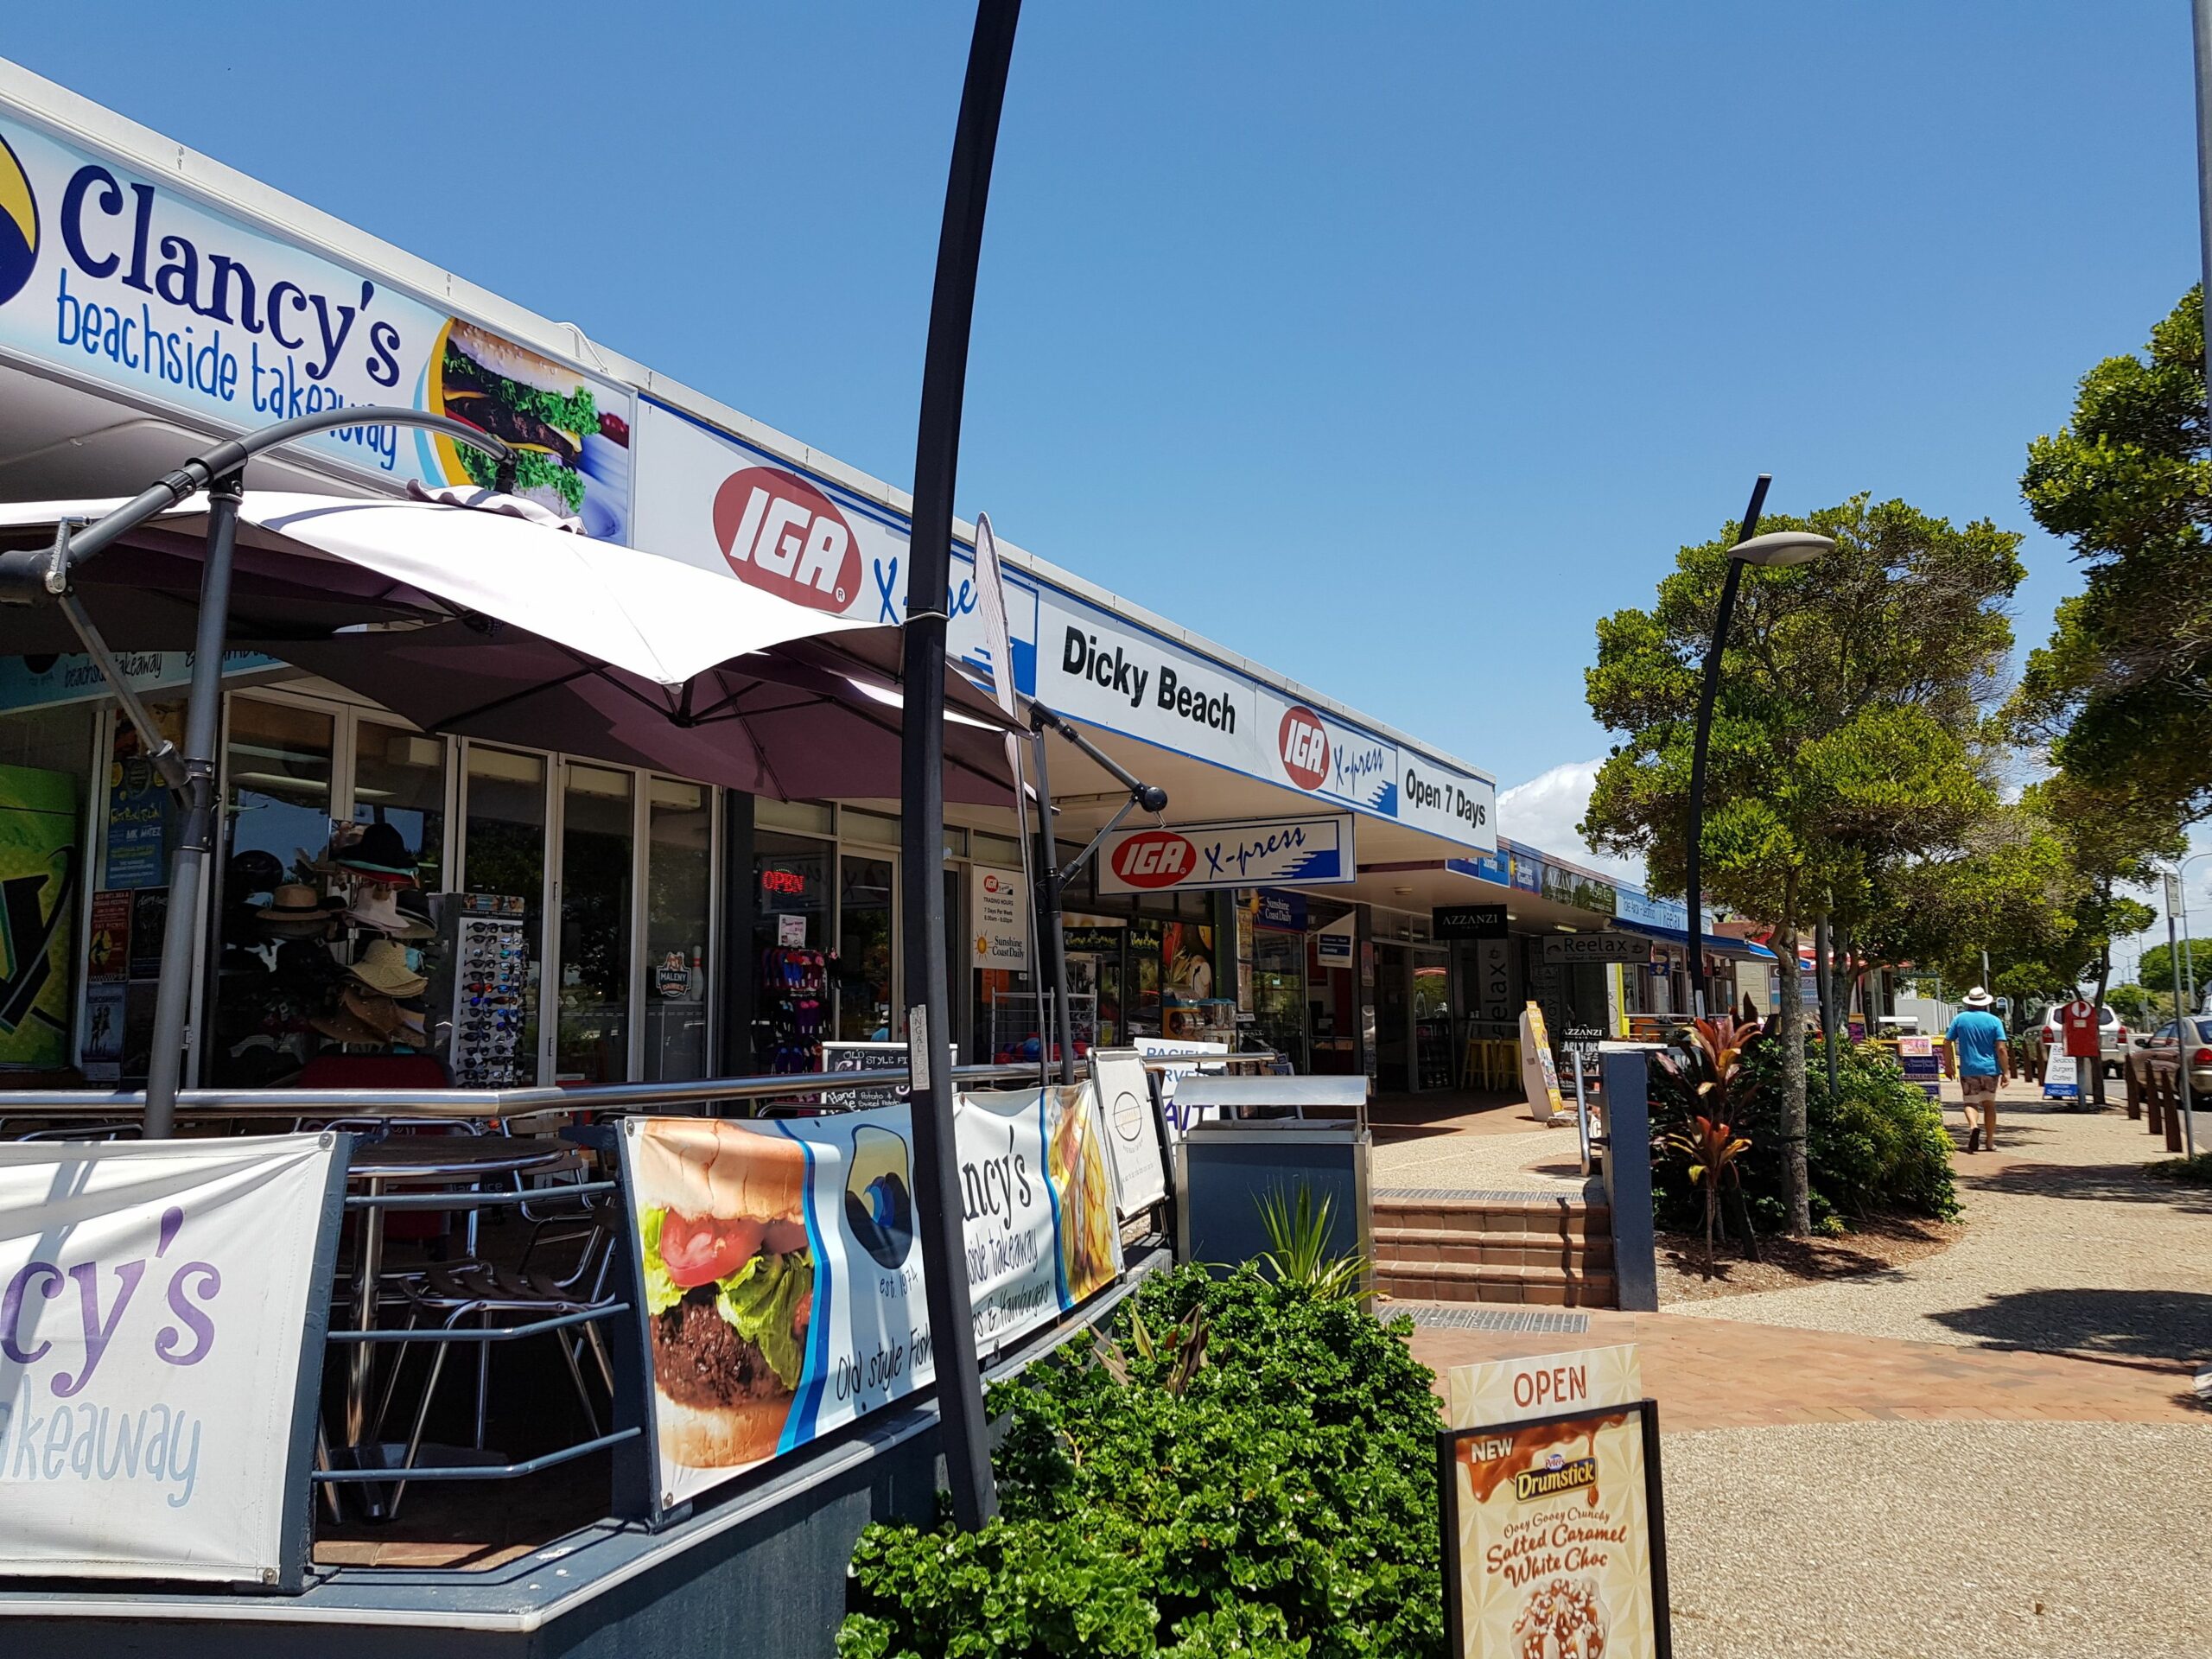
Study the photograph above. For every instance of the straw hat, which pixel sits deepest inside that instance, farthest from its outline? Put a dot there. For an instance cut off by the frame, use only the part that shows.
(296, 904)
(1978, 998)
(380, 1013)
(383, 968)
(344, 1028)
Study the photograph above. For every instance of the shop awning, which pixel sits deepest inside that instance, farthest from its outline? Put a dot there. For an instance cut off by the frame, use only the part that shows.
(472, 621)
(1722, 943)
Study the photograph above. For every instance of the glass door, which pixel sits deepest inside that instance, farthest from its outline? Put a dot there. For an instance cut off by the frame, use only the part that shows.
(679, 914)
(598, 847)
(503, 854)
(864, 954)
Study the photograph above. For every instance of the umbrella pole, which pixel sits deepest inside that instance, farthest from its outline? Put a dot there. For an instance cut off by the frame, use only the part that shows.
(1052, 938)
(196, 839)
(939, 1211)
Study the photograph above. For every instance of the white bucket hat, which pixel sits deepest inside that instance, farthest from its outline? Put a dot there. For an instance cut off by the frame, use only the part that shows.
(1979, 998)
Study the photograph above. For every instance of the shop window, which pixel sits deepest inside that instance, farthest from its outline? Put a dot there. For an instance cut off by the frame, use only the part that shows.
(807, 818)
(679, 888)
(1279, 993)
(502, 855)
(1001, 851)
(400, 778)
(791, 942)
(598, 847)
(864, 1002)
(876, 828)
(277, 985)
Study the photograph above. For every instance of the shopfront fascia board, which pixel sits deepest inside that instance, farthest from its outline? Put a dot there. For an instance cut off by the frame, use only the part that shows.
(1370, 768)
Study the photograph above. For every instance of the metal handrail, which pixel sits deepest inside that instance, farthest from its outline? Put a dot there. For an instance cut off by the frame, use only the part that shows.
(475, 1472)
(505, 1103)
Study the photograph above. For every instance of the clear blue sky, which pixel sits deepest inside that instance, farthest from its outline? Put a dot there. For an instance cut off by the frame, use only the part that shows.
(1390, 345)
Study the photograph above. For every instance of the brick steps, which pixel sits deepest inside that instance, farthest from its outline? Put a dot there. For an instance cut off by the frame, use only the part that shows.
(1493, 1248)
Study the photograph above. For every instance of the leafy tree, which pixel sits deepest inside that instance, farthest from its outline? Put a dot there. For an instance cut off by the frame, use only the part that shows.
(1849, 726)
(2008, 889)
(2139, 1008)
(2155, 970)
(2123, 690)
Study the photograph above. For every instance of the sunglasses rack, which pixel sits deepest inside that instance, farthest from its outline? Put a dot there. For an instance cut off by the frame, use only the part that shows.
(488, 962)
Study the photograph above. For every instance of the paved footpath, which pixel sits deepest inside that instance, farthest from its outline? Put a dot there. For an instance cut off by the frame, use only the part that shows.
(1995, 1451)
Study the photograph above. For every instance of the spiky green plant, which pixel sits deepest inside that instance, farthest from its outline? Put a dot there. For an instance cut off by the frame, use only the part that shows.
(1298, 1230)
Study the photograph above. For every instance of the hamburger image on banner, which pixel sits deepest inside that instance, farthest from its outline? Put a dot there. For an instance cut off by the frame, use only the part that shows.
(728, 1265)
(554, 416)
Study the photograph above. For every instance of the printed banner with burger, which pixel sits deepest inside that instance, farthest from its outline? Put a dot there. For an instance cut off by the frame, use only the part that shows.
(779, 1276)
(1552, 1526)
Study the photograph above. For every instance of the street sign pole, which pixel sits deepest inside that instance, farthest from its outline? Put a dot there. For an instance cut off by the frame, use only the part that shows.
(2184, 1023)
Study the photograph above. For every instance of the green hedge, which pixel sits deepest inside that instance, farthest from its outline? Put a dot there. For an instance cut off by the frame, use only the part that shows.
(1285, 1502)
(1876, 1146)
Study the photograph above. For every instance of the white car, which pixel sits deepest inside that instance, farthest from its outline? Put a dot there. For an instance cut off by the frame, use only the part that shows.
(2112, 1038)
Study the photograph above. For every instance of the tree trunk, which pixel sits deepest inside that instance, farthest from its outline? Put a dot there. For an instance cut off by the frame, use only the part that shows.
(1797, 1182)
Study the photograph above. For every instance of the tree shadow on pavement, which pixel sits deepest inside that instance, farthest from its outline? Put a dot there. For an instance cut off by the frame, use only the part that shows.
(2108, 1183)
(2122, 1323)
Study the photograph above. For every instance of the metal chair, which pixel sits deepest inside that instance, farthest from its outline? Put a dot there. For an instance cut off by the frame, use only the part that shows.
(446, 1295)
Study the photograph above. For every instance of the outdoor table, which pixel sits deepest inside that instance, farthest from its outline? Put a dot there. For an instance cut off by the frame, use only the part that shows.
(412, 1161)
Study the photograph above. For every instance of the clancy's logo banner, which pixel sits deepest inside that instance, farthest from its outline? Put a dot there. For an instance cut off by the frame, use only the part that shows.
(156, 1384)
(779, 1276)
(122, 281)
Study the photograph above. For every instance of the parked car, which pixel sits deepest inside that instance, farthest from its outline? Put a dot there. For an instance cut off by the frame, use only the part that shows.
(2158, 1049)
(2112, 1038)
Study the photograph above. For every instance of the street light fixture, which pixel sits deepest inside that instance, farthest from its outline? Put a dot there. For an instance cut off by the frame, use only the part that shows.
(1777, 549)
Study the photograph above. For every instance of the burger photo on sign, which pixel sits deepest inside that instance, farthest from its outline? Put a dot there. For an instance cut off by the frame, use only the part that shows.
(548, 413)
(729, 1286)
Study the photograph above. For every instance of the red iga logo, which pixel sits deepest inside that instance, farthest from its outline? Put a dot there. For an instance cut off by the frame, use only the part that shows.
(991, 884)
(780, 533)
(1303, 742)
(1158, 858)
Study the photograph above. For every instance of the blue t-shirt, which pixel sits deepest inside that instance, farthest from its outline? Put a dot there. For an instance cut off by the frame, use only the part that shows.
(1974, 1036)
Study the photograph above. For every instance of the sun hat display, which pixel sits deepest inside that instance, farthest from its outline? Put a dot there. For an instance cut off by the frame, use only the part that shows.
(415, 912)
(379, 853)
(294, 904)
(383, 966)
(251, 872)
(380, 1013)
(344, 1028)
(1979, 998)
(376, 907)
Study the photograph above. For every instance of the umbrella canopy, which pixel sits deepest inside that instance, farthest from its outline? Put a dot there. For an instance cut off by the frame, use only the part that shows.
(499, 626)
(798, 722)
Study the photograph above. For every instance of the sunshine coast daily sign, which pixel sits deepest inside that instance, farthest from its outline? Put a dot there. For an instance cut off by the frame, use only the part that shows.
(780, 1279)
(157, 1416)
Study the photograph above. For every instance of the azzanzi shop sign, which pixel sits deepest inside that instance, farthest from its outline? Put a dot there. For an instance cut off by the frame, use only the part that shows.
(1249, 852)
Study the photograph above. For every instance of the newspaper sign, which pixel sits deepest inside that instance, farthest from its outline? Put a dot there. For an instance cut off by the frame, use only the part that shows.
(160, 1373)
(1132, 1129)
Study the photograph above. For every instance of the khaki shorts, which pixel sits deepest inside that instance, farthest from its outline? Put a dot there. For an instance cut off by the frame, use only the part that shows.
(1978, 1091)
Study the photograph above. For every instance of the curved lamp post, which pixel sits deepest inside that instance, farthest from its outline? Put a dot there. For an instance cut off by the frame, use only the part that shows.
(1783, 547)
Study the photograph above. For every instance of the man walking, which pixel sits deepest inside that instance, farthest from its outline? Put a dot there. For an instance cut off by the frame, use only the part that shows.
(1980, 1058)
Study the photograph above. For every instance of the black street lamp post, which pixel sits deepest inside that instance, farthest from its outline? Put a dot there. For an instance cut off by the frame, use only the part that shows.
(1783, 547)
(921, 844)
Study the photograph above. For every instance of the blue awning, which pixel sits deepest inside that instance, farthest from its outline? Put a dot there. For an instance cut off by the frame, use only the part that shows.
(1725, 944)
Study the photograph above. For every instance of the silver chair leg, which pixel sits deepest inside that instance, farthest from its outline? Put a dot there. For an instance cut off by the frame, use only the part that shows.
(483, 1380)
(421, 1419)
(583, 1394)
